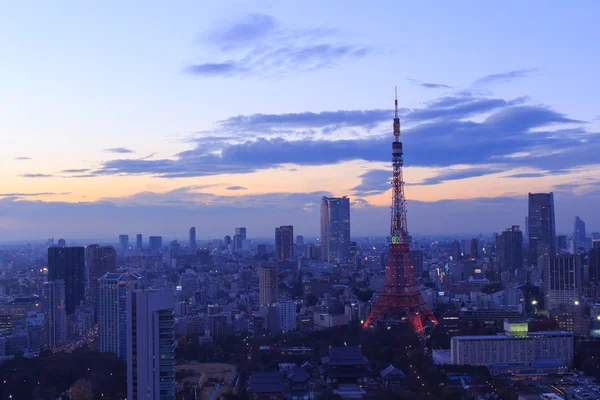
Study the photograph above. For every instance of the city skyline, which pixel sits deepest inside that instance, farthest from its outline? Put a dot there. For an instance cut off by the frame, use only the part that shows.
(181, 141)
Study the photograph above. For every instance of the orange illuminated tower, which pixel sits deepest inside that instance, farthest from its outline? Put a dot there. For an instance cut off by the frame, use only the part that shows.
(400, 296)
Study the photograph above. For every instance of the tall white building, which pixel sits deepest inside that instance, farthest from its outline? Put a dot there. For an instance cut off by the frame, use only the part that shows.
(562, 280)
(150, 345)
(55, 315)
(268, 289)
(112, 310)
(516, 346)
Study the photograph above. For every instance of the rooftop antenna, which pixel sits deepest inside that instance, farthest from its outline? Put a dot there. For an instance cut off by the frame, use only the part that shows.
(396, 117)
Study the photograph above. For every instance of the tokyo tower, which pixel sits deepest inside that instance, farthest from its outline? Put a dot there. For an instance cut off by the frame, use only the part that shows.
(400, 296)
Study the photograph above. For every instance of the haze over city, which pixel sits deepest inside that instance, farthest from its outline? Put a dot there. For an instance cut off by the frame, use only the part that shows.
(126, 118)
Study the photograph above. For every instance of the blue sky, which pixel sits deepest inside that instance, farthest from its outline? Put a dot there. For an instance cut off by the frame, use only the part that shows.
(151, 117)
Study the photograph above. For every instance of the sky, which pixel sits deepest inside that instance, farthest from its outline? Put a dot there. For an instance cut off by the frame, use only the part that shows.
(151, 117)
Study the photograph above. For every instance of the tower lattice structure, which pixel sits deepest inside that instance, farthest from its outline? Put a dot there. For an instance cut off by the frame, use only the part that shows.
(400, 294)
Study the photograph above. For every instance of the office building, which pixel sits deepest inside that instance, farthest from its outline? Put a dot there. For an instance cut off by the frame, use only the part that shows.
(516, 346)
(268, 289)
(139, 241)
(112, 310)
(456, 251)
(61, 243)
(150, 345)
(68, 264)
(474, 248)
(99, 261)
(578, 233)
(542, 230)
(192, 239)
(509, 249)
(237, 243)
(124, 243)
(335, 229)
(284, 242)
(562, 244)
(241, 232)
(55, 317)
(155, 243)
(562, 280)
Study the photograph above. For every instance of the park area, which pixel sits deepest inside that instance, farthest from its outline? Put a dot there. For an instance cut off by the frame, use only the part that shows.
(215, 379)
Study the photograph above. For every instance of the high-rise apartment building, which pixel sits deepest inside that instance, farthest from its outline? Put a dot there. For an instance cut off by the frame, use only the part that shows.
(192, 239)
(509, 249)
(124, 243)
(284, 242)
(150, 345)
(155, 243)
(474, 248)
(268, 289)
(578, 233)
(68, 264)
(542, 229)
(562, 280)
(112, 310)
(99, 261)
(55, 317)
(335, 229)
(286, 316)
(139, 241)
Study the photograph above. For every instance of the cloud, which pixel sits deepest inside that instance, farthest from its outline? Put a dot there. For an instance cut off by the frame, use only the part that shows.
(373, 182)
(37, 175)
(236, 188)
(528, 175)
(455, 174)
(258, 45)
(506, 77)
(120, 150)
(429, 85)
(460, 129)
(33, 194)
(22, 158)
(75, 171)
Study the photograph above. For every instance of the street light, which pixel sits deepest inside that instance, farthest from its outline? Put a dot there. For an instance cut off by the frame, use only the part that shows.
(534, 302)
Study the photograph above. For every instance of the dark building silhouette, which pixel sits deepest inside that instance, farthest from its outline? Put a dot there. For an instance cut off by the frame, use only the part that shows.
(456, 251)
(124, 243)
(578, 233)
(335, 229)
(509, 249)
(542, 229)
(594, 262)
(284, 242)
(155, 243)
(68, 264)
(139, 241)
(192, 239)
(99, 261)
(475, 248)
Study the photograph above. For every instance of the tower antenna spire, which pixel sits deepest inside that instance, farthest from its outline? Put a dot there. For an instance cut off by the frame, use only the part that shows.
(396, 102)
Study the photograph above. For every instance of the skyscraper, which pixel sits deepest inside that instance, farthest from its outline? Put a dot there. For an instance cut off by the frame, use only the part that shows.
(509, 249)
(55, 317)
(124, 243)
(61, 243)
(284, 242)
(192, 240)
(475, 248)
(335, 229)
(112, 310)
(150, 345)
(594, 262)
(456, 251)
(562, 280)
(99, 260)
(155, 243)
(139, 241)
(268, 289)
(578, 233)
(241, 232)
(68, 264)
(541, 226)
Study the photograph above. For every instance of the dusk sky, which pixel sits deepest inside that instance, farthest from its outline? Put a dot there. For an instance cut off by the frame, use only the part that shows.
(151, 117)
